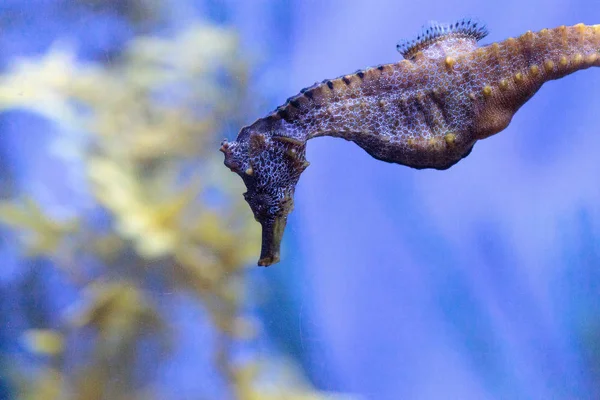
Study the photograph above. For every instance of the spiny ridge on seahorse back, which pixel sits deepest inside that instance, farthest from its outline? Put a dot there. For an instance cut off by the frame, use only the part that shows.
(465, 28)
(319, 94)
(426, 111)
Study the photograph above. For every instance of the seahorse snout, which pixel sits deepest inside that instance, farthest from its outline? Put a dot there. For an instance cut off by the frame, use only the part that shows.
(272, 233)
(271, 211)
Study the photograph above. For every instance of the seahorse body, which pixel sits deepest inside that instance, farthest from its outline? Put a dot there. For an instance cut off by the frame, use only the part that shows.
(426, 111)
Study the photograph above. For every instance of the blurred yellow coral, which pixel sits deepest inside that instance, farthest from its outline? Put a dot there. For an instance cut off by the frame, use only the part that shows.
(147, 119)
(117, 309)
(149, 124)
(47, 387)
(43, 341)
(42, 235)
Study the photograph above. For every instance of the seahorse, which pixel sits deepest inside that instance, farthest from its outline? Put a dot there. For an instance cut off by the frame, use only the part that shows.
(425, 111)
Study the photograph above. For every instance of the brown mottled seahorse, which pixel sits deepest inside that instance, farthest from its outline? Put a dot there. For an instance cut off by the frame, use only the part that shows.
(426, 111)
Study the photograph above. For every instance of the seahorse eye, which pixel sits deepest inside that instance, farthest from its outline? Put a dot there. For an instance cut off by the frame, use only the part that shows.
(261, 205)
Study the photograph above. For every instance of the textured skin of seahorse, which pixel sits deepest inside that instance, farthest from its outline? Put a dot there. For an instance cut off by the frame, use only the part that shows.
(426, 111)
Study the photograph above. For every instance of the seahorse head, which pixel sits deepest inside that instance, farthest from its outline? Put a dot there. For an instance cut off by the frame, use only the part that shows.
(270, 166)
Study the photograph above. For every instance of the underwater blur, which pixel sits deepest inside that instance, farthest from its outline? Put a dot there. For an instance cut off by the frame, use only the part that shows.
(129, 254)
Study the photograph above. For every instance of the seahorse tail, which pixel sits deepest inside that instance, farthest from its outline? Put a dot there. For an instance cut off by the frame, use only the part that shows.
(554, 53)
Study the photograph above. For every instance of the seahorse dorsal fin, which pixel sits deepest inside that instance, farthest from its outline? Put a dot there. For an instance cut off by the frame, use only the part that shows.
(435, 32)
